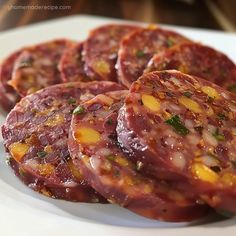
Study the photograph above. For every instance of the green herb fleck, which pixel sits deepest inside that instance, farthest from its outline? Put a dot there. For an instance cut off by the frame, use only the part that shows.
(170, 42)
(41, 154)
(111, 158)
(188, 94)
(79, 110)
(199, 129)
(71, 101)
(222, 116)
(178, 126)
(109, 121)
(140, 53)
(232, 88)
(218, 136)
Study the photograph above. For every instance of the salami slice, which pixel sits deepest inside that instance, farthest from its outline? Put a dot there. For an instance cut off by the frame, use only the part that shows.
(71, 65)
(198, 60)
(35, 136)
(8, 96)
(82, 192)
(138, 48)
(94, 150)
(180, 125)
(37, 66)
(101, 48)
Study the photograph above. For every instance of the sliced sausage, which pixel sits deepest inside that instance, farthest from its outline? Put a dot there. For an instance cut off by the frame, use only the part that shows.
(198, 60)
(37, 66)
(36, 132)
(183, 127)
(101, 48)
(95, 151)
(138, 48)
(8, 96)
(71, 65)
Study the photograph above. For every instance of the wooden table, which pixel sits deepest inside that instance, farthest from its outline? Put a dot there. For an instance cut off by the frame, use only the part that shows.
(15, 13)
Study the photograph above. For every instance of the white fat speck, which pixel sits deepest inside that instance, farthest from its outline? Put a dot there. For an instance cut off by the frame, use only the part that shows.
(95, 162)
(189, 123)
(69, 184)
(207, 136)
(175, 107)
(61, 142)
(178, 160)
(225, 95)
(175, 81)
(232, 107)
(170, 141)
(104, 152)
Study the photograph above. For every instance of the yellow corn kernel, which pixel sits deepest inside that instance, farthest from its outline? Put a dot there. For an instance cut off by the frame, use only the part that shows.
(18, 150)
(48, 149)
(101, 67)
(121, 161)
(211, 92)
(150, 102)
(204, 173)
(87, 135)
(45, 169)
(190, 104)
(55, 120)
(228, 179)
(75, 172)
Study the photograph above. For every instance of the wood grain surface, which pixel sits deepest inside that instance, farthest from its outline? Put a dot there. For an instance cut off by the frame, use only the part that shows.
(15, 13)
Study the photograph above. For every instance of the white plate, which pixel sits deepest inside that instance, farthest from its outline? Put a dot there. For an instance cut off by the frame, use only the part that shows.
(24, 212)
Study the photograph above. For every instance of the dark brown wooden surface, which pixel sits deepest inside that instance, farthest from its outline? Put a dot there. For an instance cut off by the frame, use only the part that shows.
(158, 11)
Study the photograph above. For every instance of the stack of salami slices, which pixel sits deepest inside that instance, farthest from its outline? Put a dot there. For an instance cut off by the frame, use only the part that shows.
(141, 117)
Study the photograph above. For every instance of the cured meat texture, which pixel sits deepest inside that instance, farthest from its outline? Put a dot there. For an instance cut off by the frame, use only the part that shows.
(101, 48)
(8, 96)
(198, 60)
(36, 132)
(71, 65)
(36, 66)
(180, 126)
(138, 48)
(95, 151)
